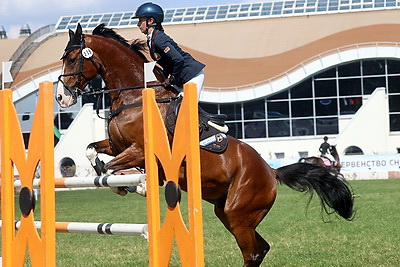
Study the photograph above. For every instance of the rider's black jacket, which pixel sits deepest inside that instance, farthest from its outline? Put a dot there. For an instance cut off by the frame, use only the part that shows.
(174, 61)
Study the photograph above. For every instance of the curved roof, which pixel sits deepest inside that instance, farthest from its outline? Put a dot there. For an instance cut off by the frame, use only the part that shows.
(255, 57)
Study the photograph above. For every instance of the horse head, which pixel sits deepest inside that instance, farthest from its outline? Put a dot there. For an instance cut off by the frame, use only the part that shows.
(80, 65)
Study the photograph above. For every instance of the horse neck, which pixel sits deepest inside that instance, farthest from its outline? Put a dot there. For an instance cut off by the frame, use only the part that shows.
(120, 66)
(335, 155)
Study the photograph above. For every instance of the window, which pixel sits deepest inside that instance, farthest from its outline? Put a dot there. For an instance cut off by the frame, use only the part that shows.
(394, 122)
(325, 88)
(370, 84)
(303, 127)
(394, 103)
(327, 125)
(373, 67)
(350, 105)
(351, 69)
(235, 129)
(255, 129)
(303, 90)
(393, 84)
(254, 110)
(326, 106)
(232, 111)
(278, 109)
(302, 108)
(350, 86)
(278, 128)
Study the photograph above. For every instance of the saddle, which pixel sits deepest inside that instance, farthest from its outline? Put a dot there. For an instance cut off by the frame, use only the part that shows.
(212, 128)
(328, 162)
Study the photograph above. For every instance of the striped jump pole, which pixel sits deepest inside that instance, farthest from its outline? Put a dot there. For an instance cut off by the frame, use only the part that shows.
(95, 228)
(98, 181)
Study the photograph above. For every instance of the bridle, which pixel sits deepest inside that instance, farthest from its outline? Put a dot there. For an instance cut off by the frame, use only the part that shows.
(86, 53)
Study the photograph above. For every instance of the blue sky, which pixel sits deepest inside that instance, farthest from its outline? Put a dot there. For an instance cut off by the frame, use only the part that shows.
(39, 13)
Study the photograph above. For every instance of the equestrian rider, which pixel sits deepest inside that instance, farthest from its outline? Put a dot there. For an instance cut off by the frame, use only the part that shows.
(178, 66)
(323, 148)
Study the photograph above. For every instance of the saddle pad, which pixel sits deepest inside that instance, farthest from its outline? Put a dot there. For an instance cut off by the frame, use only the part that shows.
(326, 161)
(211, 139)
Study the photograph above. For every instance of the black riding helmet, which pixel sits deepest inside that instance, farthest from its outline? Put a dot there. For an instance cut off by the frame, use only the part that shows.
(150, 10)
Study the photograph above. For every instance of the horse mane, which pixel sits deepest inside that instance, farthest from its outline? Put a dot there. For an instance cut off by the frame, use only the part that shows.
(138, 46)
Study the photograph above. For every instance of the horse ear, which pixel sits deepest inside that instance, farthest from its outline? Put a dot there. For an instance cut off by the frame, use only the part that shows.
(78, 30)
(71, 34)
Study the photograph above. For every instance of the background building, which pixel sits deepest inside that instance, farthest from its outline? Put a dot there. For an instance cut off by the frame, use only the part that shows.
(287, 73)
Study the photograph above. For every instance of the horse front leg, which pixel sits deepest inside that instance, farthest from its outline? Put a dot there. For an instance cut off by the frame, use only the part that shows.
(92, 151)
(121, 161)
(131, 157)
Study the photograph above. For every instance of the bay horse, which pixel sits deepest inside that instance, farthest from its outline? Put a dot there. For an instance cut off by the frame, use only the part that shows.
(325, 162)
(239, 183)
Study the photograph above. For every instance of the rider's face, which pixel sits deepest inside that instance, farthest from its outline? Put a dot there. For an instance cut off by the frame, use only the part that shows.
(142, 25)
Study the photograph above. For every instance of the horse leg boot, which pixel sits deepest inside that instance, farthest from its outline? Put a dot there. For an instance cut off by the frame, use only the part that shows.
(98, 166)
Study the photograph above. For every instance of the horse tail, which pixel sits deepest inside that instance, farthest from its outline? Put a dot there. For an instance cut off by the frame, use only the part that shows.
(331, 188)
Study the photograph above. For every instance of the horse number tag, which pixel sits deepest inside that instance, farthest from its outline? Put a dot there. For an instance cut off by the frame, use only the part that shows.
(87, 52)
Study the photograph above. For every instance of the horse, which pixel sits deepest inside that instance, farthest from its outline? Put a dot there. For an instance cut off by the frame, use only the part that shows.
(239, 183)
(325, 162)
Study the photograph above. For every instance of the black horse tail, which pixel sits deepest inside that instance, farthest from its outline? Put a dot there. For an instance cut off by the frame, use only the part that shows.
(331, 188)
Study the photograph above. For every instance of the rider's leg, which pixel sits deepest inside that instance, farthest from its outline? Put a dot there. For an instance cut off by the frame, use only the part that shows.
(198, 80)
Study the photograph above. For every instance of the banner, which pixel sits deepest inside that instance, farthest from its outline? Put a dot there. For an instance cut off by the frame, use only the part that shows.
(354, 163)
(368, 163)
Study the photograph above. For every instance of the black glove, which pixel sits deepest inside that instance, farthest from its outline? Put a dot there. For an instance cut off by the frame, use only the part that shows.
(169, 81)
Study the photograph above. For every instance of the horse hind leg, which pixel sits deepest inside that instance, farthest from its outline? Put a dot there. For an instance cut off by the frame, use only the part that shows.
(253, 246)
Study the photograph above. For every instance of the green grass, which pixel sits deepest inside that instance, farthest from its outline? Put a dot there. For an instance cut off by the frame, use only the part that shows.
(299, 235)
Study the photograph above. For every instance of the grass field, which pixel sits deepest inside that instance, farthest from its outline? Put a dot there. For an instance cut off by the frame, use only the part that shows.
(299, 235)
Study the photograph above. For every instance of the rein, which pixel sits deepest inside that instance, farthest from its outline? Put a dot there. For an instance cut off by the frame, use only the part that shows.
(75, 92)
(114, 113)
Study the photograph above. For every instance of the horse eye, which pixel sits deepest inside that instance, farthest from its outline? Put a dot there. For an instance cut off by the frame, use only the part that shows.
(71, 60)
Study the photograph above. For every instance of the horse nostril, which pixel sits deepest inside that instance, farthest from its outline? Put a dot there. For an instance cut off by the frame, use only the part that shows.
(59, 97)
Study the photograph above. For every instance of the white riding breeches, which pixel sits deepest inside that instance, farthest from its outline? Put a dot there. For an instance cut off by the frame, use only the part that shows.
(198, 80)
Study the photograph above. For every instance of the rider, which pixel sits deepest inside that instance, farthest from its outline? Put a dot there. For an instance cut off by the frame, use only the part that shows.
(324, 148)
(179, 66)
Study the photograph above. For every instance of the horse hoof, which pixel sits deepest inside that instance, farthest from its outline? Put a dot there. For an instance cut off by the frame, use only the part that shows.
(91, 153)
(131, 189)
(141, 189)
(119, 190)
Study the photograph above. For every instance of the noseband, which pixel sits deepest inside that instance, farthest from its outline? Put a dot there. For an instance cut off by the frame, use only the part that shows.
(75, 91)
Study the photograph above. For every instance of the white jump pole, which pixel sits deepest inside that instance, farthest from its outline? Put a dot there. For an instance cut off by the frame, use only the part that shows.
(96, 228)
(98, 181)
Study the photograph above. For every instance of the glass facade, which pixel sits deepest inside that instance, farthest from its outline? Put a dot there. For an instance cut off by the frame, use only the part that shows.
(230, 12)
(314, 106)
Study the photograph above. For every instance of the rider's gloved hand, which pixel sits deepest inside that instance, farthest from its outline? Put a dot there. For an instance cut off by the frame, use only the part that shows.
(169, 81)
